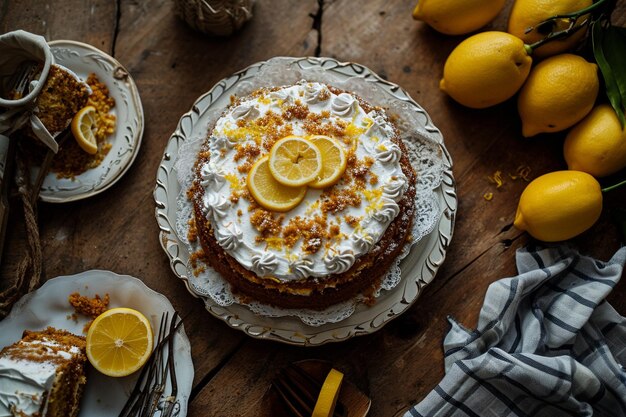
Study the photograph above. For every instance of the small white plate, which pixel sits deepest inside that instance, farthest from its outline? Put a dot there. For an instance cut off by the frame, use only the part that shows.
(49, 306)
(83, 60)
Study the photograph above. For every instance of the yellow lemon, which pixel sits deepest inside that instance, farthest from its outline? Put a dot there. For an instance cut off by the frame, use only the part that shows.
(119, 341)
(558, 93)
(334, 161)
(529, 13)
(327, 399)
(486, 69)
(597, 145)
(83, 127)
(295, 161)
(559, 205)
(268, 192)
(457, 17)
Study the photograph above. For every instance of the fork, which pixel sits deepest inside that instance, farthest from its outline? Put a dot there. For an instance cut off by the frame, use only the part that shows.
(299, 392)
(22, 77)
(144, 399)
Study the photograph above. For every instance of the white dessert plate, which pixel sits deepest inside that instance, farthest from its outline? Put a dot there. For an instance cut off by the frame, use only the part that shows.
(83, 60)
(49, 306)
(418, 268)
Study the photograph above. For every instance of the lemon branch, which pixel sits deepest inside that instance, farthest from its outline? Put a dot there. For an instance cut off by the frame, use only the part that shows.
(614, 186)
(573, 26)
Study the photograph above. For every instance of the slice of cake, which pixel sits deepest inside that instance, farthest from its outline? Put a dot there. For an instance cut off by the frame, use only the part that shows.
(42, 375)
(339, 240)
(62, 96)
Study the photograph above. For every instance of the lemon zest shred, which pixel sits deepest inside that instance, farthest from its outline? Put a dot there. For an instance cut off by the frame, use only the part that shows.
(524, 172)
(488, 196)
(496, 179)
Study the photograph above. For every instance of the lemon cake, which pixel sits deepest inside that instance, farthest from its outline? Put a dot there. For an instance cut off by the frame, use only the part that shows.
(42, 375)
(303, 196)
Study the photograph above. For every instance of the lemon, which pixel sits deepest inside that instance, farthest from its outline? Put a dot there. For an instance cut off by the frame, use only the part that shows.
(558, 93)
(597, 145)
(268, 192)
(529, 13)
(327, 399)
(457, 17)
(83, 128)
(486, 69)
(119, 341)
(559, 205)
(334, 161)
(295, 161)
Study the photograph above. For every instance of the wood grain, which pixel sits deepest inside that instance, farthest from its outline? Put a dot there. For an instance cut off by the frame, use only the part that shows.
(173, 65)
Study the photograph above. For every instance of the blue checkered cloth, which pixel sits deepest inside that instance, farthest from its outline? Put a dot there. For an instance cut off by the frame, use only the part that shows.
(547, 344)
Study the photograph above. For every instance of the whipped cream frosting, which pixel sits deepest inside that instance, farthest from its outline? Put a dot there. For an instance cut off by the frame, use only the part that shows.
(356, 227)
(24, 384)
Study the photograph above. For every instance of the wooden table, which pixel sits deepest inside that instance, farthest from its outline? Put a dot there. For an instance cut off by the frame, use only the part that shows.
(172, 65)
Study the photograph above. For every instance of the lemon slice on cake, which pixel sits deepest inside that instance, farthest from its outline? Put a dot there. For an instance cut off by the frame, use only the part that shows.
(334, 161)
(295, 161)
(119, 341)
(84, 124)
(270, 193)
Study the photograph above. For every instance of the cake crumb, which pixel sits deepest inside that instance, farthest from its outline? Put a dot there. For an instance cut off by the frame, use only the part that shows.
(87, 306)
(90, 307)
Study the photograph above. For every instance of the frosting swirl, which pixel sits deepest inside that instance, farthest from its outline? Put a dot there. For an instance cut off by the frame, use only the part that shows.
(264, 263)
(395, 188)
(388, 212)
(212, 176)
(363, 241)
(282, 95)
(301, 268)
(216, 205)
(343, 104)
(339, 260)
(231, 237)
(312, 92)
(379, 123)
(388, 152)
(245, 111)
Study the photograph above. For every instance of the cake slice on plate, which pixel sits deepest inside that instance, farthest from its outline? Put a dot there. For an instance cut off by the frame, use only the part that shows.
(43, 374)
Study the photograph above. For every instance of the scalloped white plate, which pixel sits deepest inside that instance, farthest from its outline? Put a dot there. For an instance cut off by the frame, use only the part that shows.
(49, 306)
(418, 268)
(84, 59)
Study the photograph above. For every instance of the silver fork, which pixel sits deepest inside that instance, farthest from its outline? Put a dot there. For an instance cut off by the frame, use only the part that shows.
(171, 401)
(144, 399)
(22, 78)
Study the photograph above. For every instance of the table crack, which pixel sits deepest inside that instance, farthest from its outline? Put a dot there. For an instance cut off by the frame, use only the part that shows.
(317, 26)
(116, 27)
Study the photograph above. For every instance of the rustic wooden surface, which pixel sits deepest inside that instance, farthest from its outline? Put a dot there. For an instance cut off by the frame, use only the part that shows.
(172, 65)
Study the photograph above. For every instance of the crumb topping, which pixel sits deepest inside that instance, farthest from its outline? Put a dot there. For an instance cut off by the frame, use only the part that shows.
(88, 306)
(312, 231)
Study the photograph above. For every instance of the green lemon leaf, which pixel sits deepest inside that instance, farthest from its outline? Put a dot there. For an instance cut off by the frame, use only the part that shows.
(609, 50)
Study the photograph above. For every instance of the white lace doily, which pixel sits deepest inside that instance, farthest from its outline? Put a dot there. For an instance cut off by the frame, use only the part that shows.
(424, 152)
